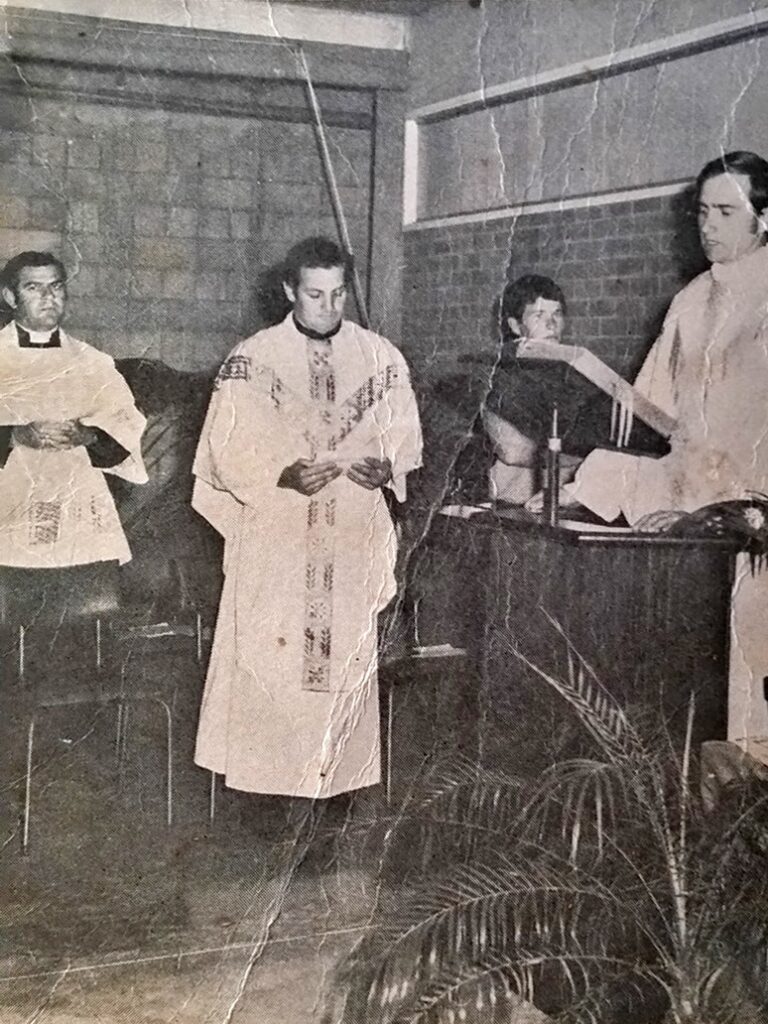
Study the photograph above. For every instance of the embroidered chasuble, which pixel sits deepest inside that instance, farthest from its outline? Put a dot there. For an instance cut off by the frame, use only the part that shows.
(291, 698)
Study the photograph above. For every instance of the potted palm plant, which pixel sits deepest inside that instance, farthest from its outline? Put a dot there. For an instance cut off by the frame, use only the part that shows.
(607, 888)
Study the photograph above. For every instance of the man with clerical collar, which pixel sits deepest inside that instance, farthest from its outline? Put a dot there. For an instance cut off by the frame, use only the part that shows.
(67, 417)
(709, 370)
(309, 422)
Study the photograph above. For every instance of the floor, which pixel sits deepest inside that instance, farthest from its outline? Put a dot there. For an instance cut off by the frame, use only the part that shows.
(112, 916)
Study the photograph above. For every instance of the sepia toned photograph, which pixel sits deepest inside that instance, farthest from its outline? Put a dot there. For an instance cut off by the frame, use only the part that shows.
(384, 512)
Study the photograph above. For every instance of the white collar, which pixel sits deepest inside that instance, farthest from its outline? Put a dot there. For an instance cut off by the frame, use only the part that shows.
(36, 337)
(749, 270)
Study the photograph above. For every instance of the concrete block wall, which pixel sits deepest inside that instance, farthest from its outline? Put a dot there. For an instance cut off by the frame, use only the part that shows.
(618, 265)
(167, 220)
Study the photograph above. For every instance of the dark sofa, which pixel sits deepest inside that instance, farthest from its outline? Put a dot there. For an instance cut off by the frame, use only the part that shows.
(176, 554)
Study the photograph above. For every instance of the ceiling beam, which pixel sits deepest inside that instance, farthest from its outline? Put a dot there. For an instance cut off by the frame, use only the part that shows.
(74, 39)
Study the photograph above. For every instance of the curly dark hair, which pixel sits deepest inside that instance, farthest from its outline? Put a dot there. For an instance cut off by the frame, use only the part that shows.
(15, 265)
(315, 252)
(522, 292)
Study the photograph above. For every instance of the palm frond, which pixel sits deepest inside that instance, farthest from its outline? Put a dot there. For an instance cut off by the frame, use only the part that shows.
(518, 981)
(596, 708)
(599, 879)
(582, 800)
(461, 779)
(461, 807)
(480, 915)
(496, 985)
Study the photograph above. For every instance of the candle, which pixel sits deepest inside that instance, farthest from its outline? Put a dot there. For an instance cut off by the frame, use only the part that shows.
(552, 489)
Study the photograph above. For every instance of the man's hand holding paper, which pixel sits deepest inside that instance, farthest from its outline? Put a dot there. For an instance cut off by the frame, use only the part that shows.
(370, 473)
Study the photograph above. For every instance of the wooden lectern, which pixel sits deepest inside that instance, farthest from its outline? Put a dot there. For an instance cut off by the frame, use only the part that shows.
(648, 613)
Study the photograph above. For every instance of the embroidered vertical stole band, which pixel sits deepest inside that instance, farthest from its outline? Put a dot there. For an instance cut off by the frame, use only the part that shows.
(321, 522)
(331, 423)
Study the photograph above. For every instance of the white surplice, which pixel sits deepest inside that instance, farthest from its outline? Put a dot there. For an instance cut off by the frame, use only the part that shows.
(708, 369)
(55, 507)
(291, 698)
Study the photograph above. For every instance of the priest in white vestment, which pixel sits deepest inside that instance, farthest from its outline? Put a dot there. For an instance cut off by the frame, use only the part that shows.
(309, 422)
(709, 370)
(67, 417)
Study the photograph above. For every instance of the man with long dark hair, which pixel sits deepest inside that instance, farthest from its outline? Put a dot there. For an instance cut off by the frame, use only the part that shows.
(709, 370)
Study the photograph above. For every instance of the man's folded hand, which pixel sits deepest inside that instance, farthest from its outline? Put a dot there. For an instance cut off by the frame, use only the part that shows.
(308, 477)
(56, 436)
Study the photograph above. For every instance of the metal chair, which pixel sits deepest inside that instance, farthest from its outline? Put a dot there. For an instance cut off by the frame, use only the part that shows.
(428, 659)
(413, 654)
(105, 694)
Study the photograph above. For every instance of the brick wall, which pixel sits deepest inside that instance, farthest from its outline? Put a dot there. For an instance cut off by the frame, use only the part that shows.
(618, 266)
(167, 220)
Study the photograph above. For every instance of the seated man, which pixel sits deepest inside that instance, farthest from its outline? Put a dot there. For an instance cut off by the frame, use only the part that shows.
(518, 410)
(66, 418)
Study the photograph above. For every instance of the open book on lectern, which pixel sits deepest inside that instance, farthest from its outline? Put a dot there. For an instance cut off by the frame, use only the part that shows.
(628, 405)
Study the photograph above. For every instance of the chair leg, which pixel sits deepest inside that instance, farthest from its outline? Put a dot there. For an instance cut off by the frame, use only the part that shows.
(388, 777)
(98, 645)
(28, 787)
(199, 637)
(119, 729)
(169, 762)
(21, 659)
(212, 800)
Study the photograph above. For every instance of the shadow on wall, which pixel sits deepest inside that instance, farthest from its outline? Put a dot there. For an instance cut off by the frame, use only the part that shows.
(267, 303)
(686, 246)
(688, 259)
